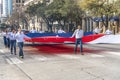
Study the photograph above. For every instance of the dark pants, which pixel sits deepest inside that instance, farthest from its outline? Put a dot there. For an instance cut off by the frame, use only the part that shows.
(8, 42)
(20, 45)
(5, 41)
(13, 46)
(78, 41)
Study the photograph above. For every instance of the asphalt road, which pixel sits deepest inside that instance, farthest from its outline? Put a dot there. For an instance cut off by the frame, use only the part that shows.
(58, 62)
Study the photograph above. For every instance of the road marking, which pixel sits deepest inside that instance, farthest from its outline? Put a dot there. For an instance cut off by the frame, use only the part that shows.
(97, 56)
(14, 61)
(39, 57)
(114, 53)
(2, 51)
(42, 59)
(9, 61)
(68, 56)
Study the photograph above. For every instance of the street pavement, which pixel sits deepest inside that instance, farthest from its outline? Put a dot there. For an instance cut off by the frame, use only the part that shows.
(58, 62)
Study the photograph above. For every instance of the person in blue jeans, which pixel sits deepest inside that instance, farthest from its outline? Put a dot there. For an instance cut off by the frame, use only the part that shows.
(4, 33)
(13, 41)
(20, 40)
(20, 45)
(78, 33)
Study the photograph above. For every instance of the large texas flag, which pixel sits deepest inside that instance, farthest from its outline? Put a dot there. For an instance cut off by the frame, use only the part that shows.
(65, 38)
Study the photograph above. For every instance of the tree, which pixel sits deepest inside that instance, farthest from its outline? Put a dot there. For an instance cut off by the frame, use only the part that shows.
(98, 8)
(117, 5)
(66, 11)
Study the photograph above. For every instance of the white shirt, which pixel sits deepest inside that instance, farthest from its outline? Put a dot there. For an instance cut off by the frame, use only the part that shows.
(12, 36)
(3, 33)
(33, 31)
(108, 32)
(61, 31)
(41, 31)
(8, 34)
(96, 30)
(78, 34)
(20, 37)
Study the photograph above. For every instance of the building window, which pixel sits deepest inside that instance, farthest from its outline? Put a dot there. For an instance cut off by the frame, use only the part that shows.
(23, 1)
(18, 1)
(22, 4)
(17, 5)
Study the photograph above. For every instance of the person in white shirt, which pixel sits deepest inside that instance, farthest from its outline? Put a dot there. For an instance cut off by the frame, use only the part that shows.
(78, 33)
(97, 30)
(13, 41)
(41, 31)
(108, 31)
(20, 40)
(4, 34)
(61, 31)
(8, 38)
(33, 30)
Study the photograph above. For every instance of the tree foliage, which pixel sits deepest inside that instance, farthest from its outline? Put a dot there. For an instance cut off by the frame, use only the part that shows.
(97, 7)
(70, 11)
(58, 10)
(117, 6)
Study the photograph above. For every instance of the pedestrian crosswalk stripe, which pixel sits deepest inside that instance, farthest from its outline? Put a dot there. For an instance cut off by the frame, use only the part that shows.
(114, 53)
(14, 61)
(9, 61)
(68, 56)
(96, 55)
(40, 57)
(2, 51)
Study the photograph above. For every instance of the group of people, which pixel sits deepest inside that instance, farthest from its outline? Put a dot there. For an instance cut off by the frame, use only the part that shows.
(97, 30)
(41, 31)
(11, 38)
(35, 31)
(79, 33)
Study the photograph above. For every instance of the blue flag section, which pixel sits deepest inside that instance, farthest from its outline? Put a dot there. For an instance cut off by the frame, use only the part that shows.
(66, 35)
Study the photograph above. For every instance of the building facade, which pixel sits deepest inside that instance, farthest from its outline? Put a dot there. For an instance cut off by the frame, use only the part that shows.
(34, 21)
(5, 9)
(17, 4)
